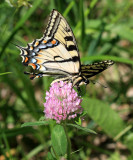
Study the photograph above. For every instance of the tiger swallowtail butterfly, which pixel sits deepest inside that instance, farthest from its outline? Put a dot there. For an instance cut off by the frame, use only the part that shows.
(56, 54)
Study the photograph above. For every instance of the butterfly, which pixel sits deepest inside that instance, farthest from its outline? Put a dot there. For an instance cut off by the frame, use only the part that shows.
(56, 54)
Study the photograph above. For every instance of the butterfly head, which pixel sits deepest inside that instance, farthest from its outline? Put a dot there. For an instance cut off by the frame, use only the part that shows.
(80, 80)
(84, 81)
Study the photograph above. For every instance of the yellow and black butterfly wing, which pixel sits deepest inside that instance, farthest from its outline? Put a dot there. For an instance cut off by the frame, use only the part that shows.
(58, 28)
(91, 70)
(56, 53)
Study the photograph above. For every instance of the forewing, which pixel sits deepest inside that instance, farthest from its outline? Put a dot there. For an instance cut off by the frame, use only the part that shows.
(56, 53)
(58, 28)
(95, 68)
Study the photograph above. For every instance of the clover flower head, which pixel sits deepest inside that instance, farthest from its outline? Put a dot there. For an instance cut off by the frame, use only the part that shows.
(62, 102)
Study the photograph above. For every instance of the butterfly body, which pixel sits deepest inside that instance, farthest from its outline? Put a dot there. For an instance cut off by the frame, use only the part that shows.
(56, 54)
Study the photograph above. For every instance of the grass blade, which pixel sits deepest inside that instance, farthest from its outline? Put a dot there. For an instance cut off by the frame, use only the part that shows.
(20, 23)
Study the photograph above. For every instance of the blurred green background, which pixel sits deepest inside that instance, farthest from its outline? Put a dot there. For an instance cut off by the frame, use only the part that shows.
(103, 30)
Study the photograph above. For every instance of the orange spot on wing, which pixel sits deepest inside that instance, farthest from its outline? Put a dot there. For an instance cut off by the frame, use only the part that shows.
(44, 41)
(26, 59)
(39, 55)
(31, 48)
(53, 42)
(33, 65)
(36, 44)
(41, 51)
(39, 61)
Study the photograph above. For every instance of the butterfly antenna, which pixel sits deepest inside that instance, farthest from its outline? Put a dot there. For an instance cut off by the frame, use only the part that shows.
(16, 45)
(94, 82)
(32, 75)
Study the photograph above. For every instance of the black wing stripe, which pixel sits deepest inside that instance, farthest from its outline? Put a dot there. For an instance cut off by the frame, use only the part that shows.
(91, 71)
(65, 35)
(73, 59)
(68, 38)
(62, 34)
(55, 26)
(71, 48)
(56, 21)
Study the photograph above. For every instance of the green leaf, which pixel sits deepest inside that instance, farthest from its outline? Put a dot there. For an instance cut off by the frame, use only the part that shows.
(69, 7)
(81, 10)
(5, 73)
(129, 141)
(35, 151)
(86, 13)
(82, 128)
(43, 118)
(104, 116)
(59, 140)
(37, 123)
(78, 122)
(52, 152)
(95, 43)
(127, 34)
(115, 156)
(16, 131)
(105, 49)
(50, 157)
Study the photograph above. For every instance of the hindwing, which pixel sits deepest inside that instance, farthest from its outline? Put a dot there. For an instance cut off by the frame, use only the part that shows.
(91, 70)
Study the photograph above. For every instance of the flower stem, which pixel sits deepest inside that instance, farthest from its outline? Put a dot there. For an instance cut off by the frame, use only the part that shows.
(68, 143)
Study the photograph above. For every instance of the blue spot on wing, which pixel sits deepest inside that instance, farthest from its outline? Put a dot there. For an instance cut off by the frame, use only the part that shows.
(33, 60)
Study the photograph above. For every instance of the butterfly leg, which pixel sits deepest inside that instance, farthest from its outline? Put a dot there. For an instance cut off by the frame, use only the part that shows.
(34, 75)
(79, 89)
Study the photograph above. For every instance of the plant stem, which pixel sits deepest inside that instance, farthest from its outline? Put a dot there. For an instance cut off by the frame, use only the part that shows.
(68, 143)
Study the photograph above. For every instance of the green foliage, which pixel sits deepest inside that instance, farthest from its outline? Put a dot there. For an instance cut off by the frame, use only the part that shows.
(129, 141)
(38, 123)
(81, 128)
(115, 156)
(5, 73)
(50, 157)
(104, 116)
(20, 24)
(59, 140)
